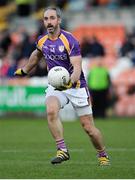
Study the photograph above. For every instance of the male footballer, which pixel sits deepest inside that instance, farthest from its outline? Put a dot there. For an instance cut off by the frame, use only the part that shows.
(60, 48)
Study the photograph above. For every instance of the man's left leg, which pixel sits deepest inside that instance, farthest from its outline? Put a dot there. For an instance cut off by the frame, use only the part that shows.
(96, 138)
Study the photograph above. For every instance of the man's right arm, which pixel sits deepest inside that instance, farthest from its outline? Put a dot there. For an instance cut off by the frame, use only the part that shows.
(32, 62)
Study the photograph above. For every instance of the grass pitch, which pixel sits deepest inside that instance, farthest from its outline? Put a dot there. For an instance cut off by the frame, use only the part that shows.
(26, 147)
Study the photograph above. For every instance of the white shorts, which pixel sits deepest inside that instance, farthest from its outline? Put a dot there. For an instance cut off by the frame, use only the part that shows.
(78, 98)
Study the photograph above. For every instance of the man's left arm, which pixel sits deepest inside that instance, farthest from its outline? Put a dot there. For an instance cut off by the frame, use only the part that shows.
(76, 62)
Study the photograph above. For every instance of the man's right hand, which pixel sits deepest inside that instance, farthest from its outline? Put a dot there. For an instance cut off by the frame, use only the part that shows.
(20, 72)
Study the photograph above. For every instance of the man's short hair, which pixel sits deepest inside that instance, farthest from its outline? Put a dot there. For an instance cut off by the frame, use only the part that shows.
(58, 11)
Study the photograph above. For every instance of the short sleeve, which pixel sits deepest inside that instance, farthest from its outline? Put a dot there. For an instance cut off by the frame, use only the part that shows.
(41, 40)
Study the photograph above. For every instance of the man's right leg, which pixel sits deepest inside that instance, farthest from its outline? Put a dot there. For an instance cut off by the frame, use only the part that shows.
(56, 128)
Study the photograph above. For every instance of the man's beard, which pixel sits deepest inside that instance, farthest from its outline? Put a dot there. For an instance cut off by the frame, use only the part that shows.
(51, 29)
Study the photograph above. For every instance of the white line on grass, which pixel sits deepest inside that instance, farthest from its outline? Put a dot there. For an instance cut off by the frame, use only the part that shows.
(71, 150)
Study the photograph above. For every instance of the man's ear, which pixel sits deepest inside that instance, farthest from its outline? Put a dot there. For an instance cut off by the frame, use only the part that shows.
(60, 20)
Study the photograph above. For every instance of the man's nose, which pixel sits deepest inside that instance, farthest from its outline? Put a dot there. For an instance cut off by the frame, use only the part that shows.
(49, 21)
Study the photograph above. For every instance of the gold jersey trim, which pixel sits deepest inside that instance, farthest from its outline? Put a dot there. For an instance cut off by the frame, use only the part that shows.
(65, 42)
(41, 42)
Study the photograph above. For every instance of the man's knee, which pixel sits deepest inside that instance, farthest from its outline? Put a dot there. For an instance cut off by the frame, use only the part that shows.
(87, 124)
(92, 131)
(51, 111)
(53, 108)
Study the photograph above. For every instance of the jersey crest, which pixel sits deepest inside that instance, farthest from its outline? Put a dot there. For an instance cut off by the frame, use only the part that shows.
(61, 48)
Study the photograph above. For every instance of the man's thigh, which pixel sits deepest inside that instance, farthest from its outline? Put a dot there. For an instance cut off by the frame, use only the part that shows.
(50, 91)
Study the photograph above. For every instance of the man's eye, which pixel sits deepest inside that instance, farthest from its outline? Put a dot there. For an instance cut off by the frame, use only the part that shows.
(52, 17)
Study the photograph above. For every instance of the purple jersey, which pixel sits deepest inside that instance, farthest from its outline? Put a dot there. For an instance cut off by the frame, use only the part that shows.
(58, 52)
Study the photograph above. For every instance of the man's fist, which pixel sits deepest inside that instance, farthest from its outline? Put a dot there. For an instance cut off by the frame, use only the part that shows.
(65, 87)
(69, 85)
(20, 72)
